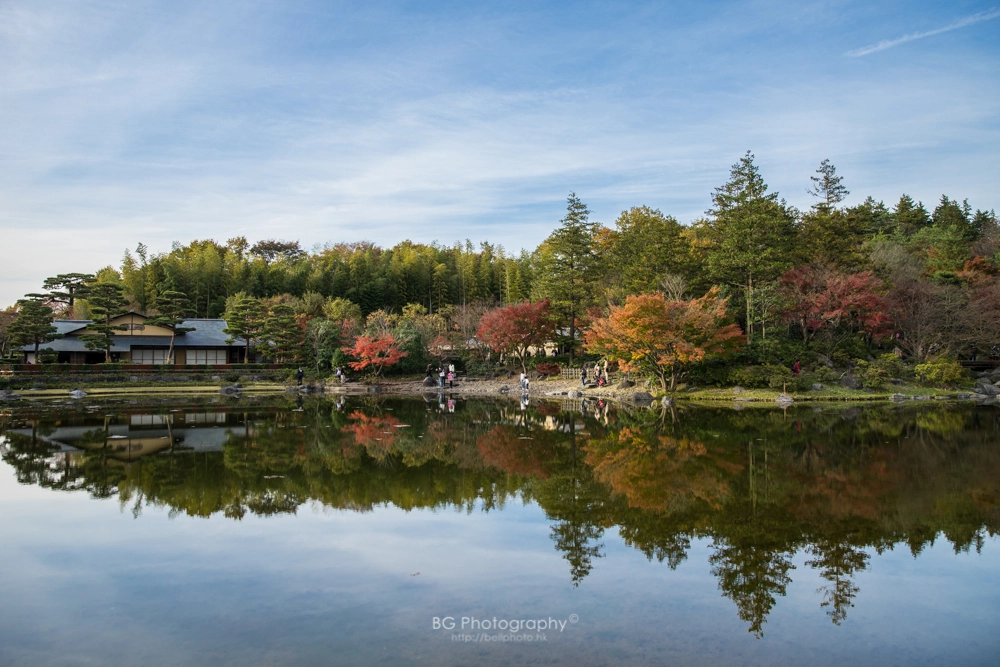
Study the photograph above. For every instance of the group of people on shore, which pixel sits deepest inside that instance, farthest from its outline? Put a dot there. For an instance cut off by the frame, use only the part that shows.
(599, 373)
(444, 373)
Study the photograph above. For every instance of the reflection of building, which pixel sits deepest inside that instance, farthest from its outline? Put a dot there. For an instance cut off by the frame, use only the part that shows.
(145, 434)
(141, 343)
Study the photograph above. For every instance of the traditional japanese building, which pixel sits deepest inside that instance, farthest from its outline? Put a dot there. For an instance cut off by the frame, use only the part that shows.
(141, 343)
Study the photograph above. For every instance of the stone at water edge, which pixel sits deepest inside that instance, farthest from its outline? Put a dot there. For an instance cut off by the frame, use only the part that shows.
(504, 389)
(77, 393)
(641, 397)
(987, 389)
(429, 382)
(625, 383)
(817, 386)
(667, 402)
(738, 389)
(850, 382)
(784, 399)
(897, 398)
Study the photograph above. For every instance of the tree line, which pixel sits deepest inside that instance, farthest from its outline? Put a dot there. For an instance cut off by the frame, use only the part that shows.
(755, 280)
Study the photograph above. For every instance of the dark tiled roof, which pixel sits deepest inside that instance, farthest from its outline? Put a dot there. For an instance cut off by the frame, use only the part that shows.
(207, 333)
(65, 326)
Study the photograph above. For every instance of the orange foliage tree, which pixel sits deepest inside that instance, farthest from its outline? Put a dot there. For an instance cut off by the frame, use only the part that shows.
(512, 330)
(374, 352)
(651, 334)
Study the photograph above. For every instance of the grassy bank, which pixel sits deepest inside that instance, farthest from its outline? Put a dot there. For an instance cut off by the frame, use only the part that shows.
(835, 393)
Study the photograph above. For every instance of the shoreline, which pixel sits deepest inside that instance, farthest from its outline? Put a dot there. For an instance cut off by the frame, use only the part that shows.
(553, 388)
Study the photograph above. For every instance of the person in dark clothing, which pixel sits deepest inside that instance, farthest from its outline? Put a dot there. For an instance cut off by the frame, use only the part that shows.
(299, 374)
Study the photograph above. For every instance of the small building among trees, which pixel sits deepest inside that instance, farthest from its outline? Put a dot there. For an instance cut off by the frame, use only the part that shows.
(138, 339)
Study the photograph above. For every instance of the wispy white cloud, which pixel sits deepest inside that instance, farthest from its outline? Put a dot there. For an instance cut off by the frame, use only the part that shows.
(889, 43)
(169, 121)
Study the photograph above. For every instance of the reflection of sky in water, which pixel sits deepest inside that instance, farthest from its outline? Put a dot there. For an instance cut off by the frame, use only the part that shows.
(85, 583)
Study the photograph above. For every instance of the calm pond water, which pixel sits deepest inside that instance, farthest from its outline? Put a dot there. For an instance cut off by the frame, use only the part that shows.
(371, 530)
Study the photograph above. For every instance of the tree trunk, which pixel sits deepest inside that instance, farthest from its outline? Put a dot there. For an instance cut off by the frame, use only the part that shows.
(572, 333)
(170, 351)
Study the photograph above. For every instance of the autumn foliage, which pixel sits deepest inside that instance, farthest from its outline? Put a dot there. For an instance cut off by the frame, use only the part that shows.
(513, 329)
(650, 333)
(375, 352)
(818, 297)
(505, 450)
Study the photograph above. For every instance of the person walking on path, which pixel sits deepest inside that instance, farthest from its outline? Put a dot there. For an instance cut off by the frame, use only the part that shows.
(441, 377)
(451, 380)
(299, 374)
(523, 379)
(583, 376)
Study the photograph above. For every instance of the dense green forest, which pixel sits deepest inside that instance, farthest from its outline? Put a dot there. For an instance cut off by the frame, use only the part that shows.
(845, 282)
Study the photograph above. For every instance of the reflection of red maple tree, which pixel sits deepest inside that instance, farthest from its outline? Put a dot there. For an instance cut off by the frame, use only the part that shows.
(377, 433)
(377, 353)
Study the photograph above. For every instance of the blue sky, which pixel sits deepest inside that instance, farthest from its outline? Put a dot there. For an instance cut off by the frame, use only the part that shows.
(324, 122)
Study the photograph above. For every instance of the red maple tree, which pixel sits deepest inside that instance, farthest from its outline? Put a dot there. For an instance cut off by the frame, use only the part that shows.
(374, 352)
(515, 328)
(817, 297)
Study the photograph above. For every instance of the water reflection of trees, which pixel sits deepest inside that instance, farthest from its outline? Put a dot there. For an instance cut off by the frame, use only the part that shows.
(760, 485)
